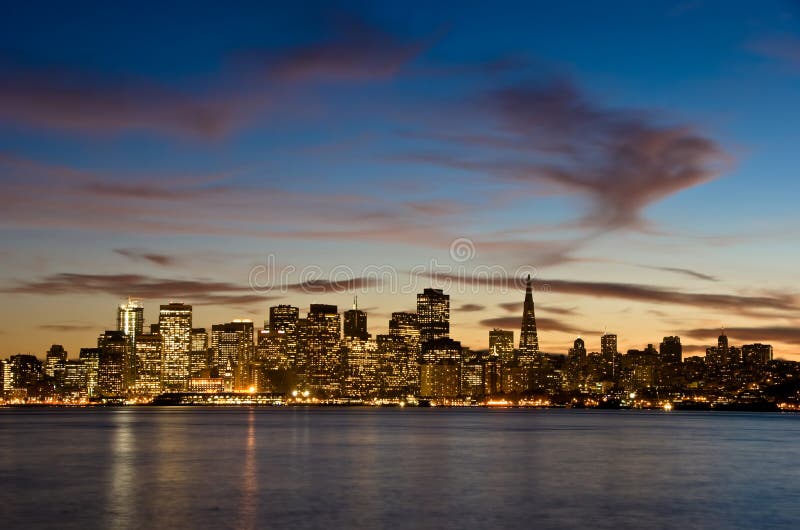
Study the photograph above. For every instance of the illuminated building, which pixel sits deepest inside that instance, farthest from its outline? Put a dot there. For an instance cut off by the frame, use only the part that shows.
(528, 337)
(360, 359)
(272, 350)
(198, 354)
(130, 321)
(112, 373)
(640, 369)
(233, 348)
(149, 360)
(206, 384)
(577, 366)
(439, 380)
(492, 375)
(283, 319)
(441, 350)
(757, 354)
(671, 350)
(501, 342)
(91, 358)
(433, 315)
(75, 379)
(175, 327)
(355, 323)
(24, 371)
(399, 353)
(319, 346)
(472, 379)
(5, 376)
(55, 358)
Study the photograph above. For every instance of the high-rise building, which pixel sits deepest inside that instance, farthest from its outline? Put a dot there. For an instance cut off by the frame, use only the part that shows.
(175, 327)
(319, 346)
(757, 354)
(361, 362)
(55, 358)
(355, 323)
(501, 342)
(113, 378)
(198, 354)
(577, 366)
(528, 338)
(149, 360)
(610, 356)
(130, 321)
(433, 315)
(233, 349)
(91, 359)
(24, 372)
(283, 320)
(670, 350)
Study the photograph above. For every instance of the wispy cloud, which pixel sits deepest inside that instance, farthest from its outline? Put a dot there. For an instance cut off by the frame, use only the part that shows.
(469, 308)
(163, 260)
(67, 327)
(542, 324)
(197, 291)
(549, 136)
(785, 334)
(770, 304)
(685, 272)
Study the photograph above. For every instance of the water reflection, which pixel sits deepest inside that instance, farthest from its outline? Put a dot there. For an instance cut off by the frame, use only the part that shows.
(249, 496)
(121, 506)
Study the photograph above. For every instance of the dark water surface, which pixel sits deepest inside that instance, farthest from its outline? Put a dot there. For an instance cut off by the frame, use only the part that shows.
(397, 468)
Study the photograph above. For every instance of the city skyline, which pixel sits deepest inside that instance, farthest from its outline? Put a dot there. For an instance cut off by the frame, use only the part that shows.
(636, 166)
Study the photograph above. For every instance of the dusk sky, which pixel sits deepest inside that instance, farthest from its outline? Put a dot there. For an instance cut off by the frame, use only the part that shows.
(639, 158)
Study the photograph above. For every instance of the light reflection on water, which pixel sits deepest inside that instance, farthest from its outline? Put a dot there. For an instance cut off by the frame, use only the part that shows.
(394, 468)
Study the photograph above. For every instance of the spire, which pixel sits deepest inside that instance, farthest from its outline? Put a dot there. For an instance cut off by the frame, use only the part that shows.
(355, 301)
(528, 339)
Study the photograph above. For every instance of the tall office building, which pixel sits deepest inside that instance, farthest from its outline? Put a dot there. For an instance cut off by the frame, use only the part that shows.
(670, 350)
(501, 343)
(130, 321)
(91, 358)
(113, 377)
(399, 353)
(232, 343)
(175, 327)
(756, 354)
(577, 366)
(283, 320)
(149, 362)
(321, 334)
(355, 323)
(528, 338)
(55, 358)
(198, 354)
(433, 315)
(610, 355)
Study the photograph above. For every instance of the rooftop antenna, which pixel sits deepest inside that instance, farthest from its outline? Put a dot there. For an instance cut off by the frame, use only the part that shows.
(355, 301)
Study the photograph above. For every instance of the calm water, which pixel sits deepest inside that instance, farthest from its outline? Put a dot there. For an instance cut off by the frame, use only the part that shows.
(397, 468)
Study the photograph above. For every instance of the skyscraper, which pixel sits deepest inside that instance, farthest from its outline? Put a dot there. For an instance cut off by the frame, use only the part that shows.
(149, 362)
(433, 314)
(399, 353)
(320, 348)
(113, 378)
(54, 360)
(283, 320)
(355, 323)
(501, 342)
(198, 355)
(130, 321)
(670, 350)
(528, 338)
(232, 349)
(175, 327)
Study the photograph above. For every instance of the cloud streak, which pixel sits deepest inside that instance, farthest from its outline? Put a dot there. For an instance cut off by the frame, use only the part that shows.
(196, 291)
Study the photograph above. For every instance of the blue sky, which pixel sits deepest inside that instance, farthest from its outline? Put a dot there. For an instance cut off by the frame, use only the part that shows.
(640, 156)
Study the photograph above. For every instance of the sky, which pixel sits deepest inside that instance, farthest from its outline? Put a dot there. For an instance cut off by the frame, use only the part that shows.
(638, 159)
